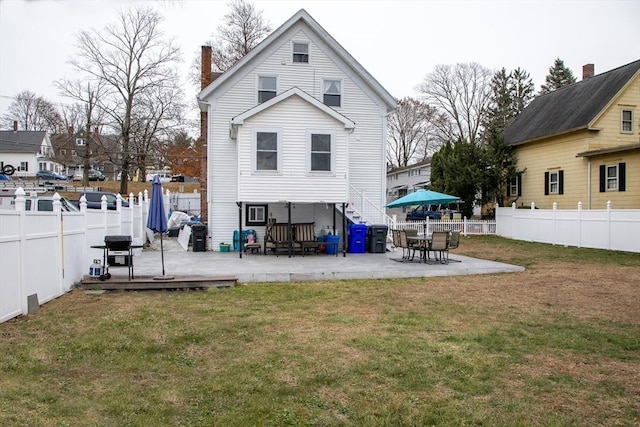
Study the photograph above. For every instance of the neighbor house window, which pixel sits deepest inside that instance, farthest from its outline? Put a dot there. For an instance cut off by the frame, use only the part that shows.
(267, 86)
(63, 152)
(256, 215)
(320, 152)
(332, 93)
(80, 141)
(554, 182)
(267, 151)
(627, 121)
(74, 153)
(24, 166)
(300, 52)
(613, 177)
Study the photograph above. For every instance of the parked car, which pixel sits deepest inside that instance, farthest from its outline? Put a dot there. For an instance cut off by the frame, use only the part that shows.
(94, 200)
(4, 177)
(45, 204)
(423, 212)
(50, 175)
(96, 175)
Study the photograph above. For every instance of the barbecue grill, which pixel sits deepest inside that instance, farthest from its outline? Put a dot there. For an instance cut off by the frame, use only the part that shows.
(117, 252)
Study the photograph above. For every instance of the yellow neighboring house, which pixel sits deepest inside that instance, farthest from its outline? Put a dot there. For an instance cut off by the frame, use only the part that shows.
(581, 143)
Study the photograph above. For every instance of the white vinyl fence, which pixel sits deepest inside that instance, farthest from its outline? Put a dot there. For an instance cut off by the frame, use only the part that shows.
(465, 226)
(614, 229)
(43, 254)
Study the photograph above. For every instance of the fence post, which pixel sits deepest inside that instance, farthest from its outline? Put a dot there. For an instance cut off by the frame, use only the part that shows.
(513, 219)
(532, 228)
(609, 224)
(464, 226)
(60, 255)
(554, 211)
(19, 206)
(579, 224)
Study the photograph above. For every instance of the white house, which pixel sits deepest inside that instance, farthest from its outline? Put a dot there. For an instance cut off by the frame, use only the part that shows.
(27, 151)
(297, 130)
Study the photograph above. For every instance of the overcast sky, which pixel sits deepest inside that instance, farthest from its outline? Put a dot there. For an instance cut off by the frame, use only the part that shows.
(397, 41)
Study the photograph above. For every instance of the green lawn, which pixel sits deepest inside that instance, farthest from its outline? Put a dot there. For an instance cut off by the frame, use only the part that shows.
(502, 350)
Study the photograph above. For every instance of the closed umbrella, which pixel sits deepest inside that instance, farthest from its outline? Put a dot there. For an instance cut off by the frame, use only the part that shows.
(157, 219)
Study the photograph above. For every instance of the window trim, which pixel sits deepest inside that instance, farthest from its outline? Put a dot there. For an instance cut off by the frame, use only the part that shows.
(249, 222)
(258, 77)
(254, 151)
(623, 121)
(332, 154)
(322, 91)
(293, 51)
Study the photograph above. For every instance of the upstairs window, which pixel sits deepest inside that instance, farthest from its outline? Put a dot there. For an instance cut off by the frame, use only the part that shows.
(320, 152)
(332, 93)
(267, 86)
(626, 125)
(514, 188)
(80, 141)
(267, 151)
(301, 52)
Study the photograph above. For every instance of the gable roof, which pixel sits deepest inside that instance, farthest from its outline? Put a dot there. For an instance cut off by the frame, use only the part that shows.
(569, 108)
(295, 91)
(22, 141)
(304, 17)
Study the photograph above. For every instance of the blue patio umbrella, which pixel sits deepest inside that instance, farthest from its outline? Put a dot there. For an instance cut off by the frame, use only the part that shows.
(157, 219)
(423, 197)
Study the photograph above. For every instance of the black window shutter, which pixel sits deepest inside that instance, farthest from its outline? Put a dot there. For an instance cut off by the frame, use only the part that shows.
(622, 183)
(509, 188)
(519, 185)
(546, 183)
(603, 178)
(560, 182)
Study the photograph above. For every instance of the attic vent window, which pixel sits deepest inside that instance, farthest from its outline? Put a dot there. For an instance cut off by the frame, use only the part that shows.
(627, 121)
(301, 52)
(80, 141)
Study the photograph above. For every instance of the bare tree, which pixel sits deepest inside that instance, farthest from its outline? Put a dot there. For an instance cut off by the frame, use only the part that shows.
(462, 92)
(129, 58)
(33, 112)
(86, 98)
(412, 133)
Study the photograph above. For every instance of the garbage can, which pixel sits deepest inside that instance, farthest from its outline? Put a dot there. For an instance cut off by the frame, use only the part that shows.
(357, 238)
(199, 237)
(378, 238)
(331, 244)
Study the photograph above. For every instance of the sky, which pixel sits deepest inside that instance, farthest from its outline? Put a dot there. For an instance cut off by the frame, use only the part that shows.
(398, 41)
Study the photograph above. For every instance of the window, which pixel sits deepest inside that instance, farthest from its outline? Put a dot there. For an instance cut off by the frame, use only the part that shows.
(256, 215)
(24, 166)
(80, 141)
(74, 153)
(612, 177)
(514, 188)
(266, 88)
(267, 151)
(627, 121)
(554, 182)
(320, 152)
(332, 93)
(63, 151)
(300, 52)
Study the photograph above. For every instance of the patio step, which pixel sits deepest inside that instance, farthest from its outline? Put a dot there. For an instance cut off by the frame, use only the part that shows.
(155, 282)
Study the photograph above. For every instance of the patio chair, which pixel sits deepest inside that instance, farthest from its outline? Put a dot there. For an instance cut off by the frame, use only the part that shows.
(305, 237)
(276, 237)
(251, 243)
(408, 251)
(395, 237)
(440, 245)
(454, 242)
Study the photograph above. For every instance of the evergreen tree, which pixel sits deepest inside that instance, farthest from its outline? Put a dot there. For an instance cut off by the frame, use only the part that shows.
(559, 76)
(522, 90)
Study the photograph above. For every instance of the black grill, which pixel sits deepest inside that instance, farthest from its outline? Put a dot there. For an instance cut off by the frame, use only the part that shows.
(117, 243)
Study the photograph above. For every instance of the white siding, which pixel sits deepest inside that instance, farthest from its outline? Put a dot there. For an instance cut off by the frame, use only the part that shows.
(366, 167)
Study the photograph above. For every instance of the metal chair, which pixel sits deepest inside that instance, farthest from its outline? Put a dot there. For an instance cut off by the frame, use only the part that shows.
(440, 245)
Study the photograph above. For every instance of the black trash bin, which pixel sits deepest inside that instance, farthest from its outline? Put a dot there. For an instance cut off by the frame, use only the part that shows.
(377, 238)
(199, 237)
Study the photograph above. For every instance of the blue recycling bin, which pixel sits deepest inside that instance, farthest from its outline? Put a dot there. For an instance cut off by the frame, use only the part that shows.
(357, 238)
(331, 244)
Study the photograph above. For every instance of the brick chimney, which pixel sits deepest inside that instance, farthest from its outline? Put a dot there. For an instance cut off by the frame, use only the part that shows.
(15, 126)
(205, 67)
(588, 70)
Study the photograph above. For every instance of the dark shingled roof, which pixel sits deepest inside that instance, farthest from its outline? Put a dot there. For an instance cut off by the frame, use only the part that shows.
(22, 141)
(568, 108)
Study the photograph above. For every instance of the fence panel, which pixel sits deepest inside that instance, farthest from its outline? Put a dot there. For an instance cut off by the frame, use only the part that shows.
(11, 294)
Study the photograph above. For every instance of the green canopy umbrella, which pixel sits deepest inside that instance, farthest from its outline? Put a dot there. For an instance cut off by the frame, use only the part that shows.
(423, 197)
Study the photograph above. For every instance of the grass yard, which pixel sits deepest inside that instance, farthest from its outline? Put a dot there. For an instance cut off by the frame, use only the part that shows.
(556, 345)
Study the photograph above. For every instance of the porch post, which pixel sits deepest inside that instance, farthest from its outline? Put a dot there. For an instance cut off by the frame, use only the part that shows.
(241, 244)
(344, 229)
(289, 233)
